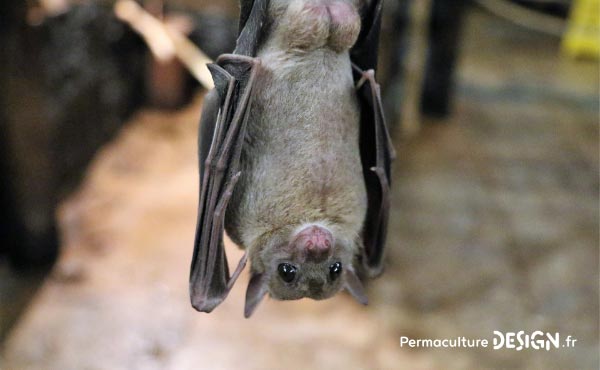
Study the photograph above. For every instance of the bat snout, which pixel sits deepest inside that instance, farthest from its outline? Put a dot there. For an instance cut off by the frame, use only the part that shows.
(315, 242)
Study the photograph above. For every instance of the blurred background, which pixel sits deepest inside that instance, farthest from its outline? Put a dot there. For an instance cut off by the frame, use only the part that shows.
(494, 110)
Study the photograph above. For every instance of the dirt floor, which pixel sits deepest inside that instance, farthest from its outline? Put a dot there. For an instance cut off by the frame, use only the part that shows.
(494, 226)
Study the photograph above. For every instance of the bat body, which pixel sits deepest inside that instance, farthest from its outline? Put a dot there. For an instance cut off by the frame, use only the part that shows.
(294, 193)
(301, 154)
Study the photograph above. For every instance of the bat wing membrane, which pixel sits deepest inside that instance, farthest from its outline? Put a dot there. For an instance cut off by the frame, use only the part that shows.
(376, 150)
(222, 130)
(224, 120)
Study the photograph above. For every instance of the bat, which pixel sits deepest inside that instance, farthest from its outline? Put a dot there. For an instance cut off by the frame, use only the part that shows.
(294, 155)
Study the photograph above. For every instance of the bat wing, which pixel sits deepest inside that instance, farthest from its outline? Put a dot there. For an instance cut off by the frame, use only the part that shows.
(222, 130)
(253, 20)
(365, 50)
(376, 150)
(224, 119)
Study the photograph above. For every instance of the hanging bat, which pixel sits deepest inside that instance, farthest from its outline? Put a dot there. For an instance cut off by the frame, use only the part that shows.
(294, 155)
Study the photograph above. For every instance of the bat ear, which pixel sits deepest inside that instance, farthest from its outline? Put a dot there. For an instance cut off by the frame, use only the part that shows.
(355, 288)
(257, 289)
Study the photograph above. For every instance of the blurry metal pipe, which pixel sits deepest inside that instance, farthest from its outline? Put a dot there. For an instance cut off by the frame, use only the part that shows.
(524, 17)
(165, 42)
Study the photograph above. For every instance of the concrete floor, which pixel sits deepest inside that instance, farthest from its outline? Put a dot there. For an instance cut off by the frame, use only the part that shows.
(494, 226)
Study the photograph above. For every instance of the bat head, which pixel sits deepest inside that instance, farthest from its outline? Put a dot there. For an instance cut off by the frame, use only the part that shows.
(311, 264)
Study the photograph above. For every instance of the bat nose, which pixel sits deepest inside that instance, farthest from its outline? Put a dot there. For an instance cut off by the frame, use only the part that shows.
(317, 243)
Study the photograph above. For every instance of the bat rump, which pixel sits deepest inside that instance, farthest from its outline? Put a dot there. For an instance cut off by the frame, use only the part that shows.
(222, 132)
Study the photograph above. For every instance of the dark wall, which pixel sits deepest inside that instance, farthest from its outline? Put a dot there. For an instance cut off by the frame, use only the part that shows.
(66, 87)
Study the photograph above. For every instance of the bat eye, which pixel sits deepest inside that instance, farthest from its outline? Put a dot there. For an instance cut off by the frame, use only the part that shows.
(335, 270)
(287, 272)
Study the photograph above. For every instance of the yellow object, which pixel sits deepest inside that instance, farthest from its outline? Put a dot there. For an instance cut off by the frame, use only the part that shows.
(582, 38)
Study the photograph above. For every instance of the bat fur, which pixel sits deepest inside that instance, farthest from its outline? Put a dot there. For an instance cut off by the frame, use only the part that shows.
(301, 159)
